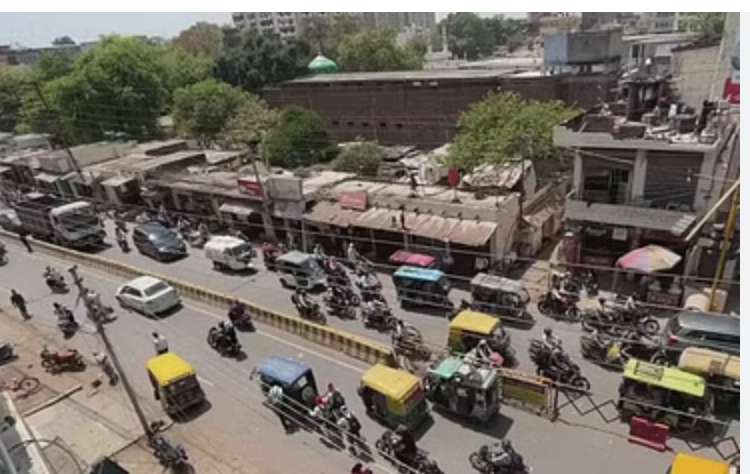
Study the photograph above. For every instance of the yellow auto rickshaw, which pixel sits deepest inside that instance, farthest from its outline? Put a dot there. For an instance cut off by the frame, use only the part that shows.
(468, 328)
(722, 374)
(393, 397)
(690, 464)
(175, 383)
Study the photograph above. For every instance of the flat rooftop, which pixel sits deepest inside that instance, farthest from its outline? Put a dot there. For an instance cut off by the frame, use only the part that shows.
(404, 76)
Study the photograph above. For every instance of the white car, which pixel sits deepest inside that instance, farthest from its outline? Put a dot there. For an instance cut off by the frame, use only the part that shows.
(147, 295)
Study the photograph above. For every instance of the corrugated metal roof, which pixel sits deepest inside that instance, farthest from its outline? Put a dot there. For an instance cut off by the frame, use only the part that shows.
(332, 213)
(472, 233)
(380, 219)
(627, 216)
(433, 227)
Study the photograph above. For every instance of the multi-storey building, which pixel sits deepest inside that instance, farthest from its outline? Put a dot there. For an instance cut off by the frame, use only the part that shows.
(400, 21)
(657, 22)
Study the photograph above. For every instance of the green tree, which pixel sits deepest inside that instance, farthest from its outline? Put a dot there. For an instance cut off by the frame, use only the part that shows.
(202, 38)
(180, 68)
(506, 126)
(469, 36)
(115, 88)
(261, 61)
(325, 33)
(14, 82)
(203, 110)
(377, 50)
(55, 63)
(504, 30)
(707, 24)
(250, 124)
(300, 139)
(363, 158)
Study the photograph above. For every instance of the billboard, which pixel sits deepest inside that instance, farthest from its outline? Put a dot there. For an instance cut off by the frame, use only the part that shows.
(285, 188)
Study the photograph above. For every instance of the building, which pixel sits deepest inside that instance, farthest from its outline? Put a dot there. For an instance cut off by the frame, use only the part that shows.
(400, 21)
(583, 51)
(654, 53)
(640, 179)
(657, 22)
(284, 24)
(421, 108)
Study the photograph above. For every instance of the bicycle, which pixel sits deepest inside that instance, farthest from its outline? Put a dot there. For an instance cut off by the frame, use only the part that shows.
(26, 385)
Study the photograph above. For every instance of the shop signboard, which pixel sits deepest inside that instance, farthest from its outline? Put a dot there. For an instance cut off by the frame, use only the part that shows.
(250, 186)
(355, 200)
(285, 188)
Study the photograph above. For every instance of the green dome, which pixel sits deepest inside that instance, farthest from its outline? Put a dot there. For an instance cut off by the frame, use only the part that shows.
(322, 65)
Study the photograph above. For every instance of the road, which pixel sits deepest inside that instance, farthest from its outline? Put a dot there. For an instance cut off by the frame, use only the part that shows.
(238, 421)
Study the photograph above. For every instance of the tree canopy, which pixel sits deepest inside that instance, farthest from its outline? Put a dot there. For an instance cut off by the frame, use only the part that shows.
(261, 61)
(469, 36)
(300, 139)
(377, 50)
(55, 63)
(250, 124)
(201, 39)
(180, 68)
(203, 110)
(707, 24)
(14, 82)
(363, 158)
(325, 33)
(506, 126)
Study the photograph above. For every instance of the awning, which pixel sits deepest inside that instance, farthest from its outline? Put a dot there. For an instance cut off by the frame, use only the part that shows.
(472, 233)
(240, 210)
(331, 213)
(627, 216)
(380, 219)
(48, 178)
(431, 226)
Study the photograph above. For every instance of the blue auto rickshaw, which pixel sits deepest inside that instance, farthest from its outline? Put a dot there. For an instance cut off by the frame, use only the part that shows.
(422, 287)
(297, 380)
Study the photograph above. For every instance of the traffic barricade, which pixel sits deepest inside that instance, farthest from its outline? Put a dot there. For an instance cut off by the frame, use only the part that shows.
(647, 433)
(526, 391)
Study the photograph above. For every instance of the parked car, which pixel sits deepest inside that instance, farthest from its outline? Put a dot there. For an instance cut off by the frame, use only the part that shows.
(157, 241)
(148, 295)
(707, 331)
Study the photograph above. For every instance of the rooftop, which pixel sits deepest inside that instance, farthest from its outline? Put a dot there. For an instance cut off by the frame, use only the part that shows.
(405, 76)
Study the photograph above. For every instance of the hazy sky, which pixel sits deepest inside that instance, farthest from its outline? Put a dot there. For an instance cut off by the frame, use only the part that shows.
(39, 29)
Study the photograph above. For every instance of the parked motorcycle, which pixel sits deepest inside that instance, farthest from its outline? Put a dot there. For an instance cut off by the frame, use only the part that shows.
(170, 456)
(482, 461)
(221, 343)
(564, 308)
(421, 462)
(62, 360)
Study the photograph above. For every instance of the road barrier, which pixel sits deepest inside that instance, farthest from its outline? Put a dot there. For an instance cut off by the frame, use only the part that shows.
(523, 390)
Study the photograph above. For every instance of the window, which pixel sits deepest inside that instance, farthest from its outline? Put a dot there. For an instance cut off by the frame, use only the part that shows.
(335, 123)
(399, 126)
(365, 124)
(383, 125)
(156, 288)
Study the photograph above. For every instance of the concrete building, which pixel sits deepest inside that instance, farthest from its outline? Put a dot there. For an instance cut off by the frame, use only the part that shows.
(653, 53)
(420, 108)
(400, 21)
(284, 24)
(657, 22)
(583, 51)
(640, 179)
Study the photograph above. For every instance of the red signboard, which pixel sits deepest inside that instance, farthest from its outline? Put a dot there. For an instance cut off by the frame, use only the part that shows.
(732, 91)
(249, 186)
(356, 200)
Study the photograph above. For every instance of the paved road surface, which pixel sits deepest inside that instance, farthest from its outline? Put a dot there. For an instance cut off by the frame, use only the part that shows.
(237, 421)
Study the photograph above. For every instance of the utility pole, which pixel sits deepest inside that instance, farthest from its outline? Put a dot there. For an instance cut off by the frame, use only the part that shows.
(71, 159)
(731, 224)
(267, 220)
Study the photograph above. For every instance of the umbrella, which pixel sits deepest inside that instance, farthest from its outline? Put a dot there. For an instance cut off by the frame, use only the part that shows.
(649, 259)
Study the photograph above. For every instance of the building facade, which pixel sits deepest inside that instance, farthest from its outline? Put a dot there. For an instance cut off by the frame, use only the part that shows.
(400, 21)
(286, 25)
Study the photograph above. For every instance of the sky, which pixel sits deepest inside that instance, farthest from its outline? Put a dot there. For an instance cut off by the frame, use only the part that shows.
(39, 29)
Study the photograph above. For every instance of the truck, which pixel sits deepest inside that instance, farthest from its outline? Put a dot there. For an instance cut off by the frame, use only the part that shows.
(61, 222)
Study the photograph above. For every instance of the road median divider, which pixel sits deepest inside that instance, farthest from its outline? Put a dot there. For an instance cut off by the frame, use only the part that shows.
(349, 344)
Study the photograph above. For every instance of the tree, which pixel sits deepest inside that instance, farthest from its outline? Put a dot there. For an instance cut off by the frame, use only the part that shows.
(300, 139)
(202, 38)
(14, 82)
(203, 110)
(262, 61)
(363, 158)
(55, 63)
(377, 50)
(469, 36)
(115, 88)
(325, 33)
(707, 24)
(250, 124)
(504, 30)
(506, 126)
(180, 68)
(63, 41)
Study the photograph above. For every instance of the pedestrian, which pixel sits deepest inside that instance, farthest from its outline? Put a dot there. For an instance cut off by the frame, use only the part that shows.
(102, 360)
(24, 237)
(19, 302)
(161, 346)
(276, 398)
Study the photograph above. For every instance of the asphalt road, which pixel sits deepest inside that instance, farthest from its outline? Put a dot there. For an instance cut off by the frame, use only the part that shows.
(238, 421)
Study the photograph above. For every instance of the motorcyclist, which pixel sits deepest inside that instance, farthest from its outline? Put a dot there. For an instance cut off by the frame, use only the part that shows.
(52, 276)
(404, 446)
(228, 333)
(236, 311)
(64, 314)
(551, 341)
(375, 311)
(505, 457)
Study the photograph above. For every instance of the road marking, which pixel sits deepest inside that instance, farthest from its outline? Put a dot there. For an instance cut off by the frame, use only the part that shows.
(197, 309)
(206, 381)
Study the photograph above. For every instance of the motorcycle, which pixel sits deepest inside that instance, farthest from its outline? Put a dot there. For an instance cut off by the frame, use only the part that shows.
(557, 367)
(220, 343)
(3, 254)
(61, 361)
(482, 462)
(68, 327)
(591, 283)
(269, 258)
(310, 312)
(122, 242)
(604, 351)
(169, 456)
(340, 308)
(56, 283)
(241, 319)
(564, 308)
(599, 320)
(380, 319)
(420, 463)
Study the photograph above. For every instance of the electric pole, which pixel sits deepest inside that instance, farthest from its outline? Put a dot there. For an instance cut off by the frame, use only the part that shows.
(731, 224)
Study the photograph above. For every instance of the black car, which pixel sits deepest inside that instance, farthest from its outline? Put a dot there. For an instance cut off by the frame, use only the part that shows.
(159, 242)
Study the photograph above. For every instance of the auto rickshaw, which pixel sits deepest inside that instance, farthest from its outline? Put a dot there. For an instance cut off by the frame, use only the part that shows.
(470, 391)
(297, 380)
(468, 328)
(394, 397)
(721, 371)
(501, 296)
(647, 388)
(175, 383)
(422, 287)
(691, 464)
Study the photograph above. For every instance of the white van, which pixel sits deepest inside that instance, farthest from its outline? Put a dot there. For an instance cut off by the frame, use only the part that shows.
(229, 253)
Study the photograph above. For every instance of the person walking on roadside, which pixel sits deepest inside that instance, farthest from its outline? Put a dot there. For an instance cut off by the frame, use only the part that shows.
(102, 360)
(276, 398)
(161, 346)
(23, 236)
(19, 302)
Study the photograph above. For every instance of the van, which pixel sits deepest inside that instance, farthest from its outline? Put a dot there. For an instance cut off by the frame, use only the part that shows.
(229, 253)
(707, 331)
(300, 270)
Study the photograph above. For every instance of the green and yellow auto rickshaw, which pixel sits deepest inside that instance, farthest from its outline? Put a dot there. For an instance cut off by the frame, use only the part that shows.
(463, 388)
(393, 397)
